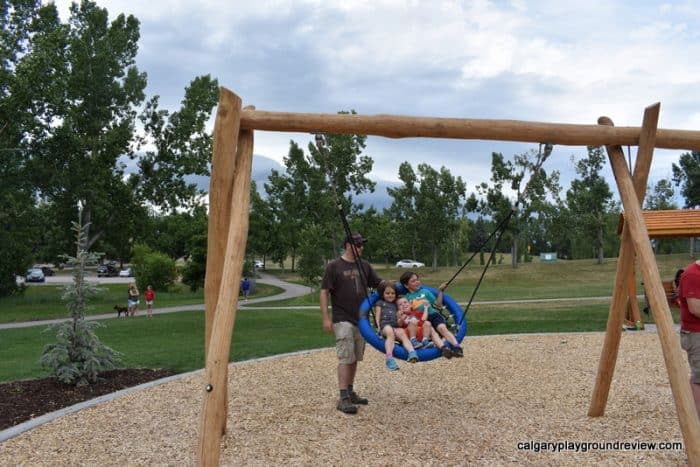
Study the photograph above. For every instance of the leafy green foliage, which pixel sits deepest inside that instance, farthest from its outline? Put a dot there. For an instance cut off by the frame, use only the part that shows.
(182, 147)
(152, 268)
(590, 201)
(78, 356)
(686, 174)
(196, 267)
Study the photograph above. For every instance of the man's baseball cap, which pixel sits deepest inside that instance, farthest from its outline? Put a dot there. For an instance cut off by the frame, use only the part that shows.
(356, 239)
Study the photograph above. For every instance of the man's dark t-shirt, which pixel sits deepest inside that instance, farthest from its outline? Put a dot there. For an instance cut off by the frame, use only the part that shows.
(346, 289)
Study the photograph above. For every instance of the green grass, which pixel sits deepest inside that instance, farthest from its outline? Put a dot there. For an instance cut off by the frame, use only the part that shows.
(44, 302)
(560, 279)
(174, 341)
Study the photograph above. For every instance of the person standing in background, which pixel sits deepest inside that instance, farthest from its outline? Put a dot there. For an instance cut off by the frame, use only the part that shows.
(689, 298)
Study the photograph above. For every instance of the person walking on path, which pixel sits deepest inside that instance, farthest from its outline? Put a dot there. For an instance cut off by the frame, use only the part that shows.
(245, 287)
(689, 297)
(345, 287)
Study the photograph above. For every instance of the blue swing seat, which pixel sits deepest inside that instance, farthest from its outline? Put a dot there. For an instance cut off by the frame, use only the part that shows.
(424, 355)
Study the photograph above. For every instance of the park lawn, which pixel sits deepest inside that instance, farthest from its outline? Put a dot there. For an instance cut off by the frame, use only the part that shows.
(560, 279)
(44, 301)
(174, 341)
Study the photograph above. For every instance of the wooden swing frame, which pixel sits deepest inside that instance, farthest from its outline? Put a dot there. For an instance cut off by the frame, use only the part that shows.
(229, 199)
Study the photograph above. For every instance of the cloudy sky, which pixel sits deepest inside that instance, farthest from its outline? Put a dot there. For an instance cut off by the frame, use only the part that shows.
(569, 62)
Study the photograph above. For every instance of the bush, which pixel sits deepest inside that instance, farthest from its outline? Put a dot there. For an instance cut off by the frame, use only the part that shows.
(153, 268)
(196, 267)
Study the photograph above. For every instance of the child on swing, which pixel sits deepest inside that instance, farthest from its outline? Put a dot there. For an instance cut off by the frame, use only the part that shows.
(386, 316)
(423, 300)
(411, 320)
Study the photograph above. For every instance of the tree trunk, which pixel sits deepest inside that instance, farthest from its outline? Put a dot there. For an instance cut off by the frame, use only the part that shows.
(435, 258)
(692, 247)
(514, 252)
(600, 244)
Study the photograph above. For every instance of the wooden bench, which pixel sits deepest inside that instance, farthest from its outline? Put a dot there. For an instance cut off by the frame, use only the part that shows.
(670, 296)
(670, 292)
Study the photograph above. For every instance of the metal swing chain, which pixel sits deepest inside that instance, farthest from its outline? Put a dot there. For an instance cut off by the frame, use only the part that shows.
(323, 151)
(501, 228)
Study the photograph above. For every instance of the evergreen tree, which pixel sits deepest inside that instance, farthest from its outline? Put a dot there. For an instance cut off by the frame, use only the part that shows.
(77, 357)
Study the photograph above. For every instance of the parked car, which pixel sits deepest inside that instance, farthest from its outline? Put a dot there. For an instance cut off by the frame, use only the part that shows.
(34, 275)
(259, 264)
(126, 273)
(47, 271)
(409, 263)
(107, 270)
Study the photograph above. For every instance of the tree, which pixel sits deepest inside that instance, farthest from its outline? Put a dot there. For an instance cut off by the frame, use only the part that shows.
(23, 22)
(661, 196)
(263, 230)
(77, 357)
(403, 210)
(304, 199)
(90, 124)
(589, 200)
(531, 197)
(183, 147)
(686, 174)
(433, 200)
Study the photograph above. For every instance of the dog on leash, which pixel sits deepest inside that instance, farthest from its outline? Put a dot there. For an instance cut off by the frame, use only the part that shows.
(120, 310)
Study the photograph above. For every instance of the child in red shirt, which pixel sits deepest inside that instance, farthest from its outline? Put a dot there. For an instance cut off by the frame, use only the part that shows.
(149, 295)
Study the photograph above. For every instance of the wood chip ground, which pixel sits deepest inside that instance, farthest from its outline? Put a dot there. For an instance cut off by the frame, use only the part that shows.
(477, 410)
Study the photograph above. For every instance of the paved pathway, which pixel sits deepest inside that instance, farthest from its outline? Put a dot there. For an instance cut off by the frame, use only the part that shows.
(290, 291)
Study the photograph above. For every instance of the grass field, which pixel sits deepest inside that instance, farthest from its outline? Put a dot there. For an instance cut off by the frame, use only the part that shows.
(175, 340)
(44, 302)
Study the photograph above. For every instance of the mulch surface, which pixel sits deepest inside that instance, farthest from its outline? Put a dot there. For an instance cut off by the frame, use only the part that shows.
(26, 399)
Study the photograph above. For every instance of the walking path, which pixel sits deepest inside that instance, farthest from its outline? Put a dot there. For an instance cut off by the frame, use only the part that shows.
(290, 290)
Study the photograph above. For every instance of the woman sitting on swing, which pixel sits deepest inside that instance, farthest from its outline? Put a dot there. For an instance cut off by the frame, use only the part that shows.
(425, 301)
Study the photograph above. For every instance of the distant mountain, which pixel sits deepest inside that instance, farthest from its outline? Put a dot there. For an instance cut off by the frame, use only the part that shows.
(263, 166)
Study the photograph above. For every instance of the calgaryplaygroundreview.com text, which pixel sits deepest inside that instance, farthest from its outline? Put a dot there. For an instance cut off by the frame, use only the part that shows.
(586, 446)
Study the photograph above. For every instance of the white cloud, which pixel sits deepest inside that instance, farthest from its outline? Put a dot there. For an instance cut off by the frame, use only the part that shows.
(544, 61)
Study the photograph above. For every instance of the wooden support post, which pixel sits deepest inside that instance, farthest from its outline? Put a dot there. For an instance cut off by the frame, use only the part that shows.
(625, 266)
(678, 377)
(226, 127)
(215, 385)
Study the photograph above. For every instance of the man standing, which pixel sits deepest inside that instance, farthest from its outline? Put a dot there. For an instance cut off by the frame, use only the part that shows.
(689, 294)
(347, 288)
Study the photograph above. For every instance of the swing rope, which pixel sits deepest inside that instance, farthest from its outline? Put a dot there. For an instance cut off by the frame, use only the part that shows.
(502, 226)
(324, 152)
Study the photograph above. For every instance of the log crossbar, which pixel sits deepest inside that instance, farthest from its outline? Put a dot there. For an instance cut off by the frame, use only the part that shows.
(396, 126)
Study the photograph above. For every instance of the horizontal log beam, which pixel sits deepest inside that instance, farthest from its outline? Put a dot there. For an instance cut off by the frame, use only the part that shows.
(396, 126)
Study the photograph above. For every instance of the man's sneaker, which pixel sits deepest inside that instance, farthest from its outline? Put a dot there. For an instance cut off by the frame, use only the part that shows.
(415, 343)
(391, 364)
(446, 352)
(345, 406)
(427, 343)
(412, 357)
(457, 351)
(356, 399)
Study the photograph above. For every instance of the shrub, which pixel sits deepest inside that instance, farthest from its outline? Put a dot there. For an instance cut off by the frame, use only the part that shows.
(153, 268)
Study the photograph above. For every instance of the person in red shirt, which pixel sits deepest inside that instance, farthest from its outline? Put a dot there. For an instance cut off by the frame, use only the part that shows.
(689, 295)
(149, 295)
